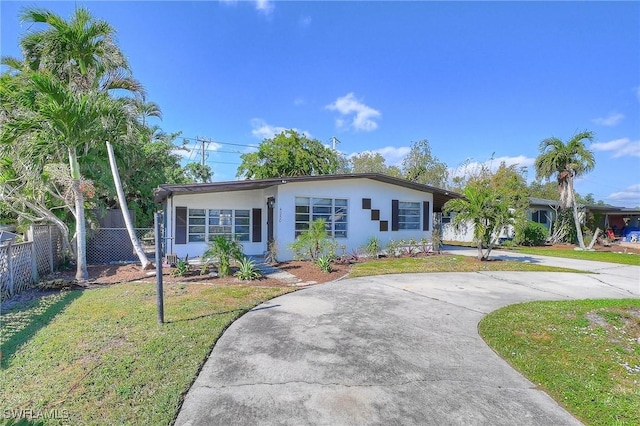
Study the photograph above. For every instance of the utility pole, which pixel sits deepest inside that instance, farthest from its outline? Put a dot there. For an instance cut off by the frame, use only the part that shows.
(334, 142)
(203, 158)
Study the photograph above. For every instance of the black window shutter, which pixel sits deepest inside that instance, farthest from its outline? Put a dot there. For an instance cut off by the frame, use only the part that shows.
(425, 215)
(181, 225)
(366, 203)
(395, 215)
(256, 227)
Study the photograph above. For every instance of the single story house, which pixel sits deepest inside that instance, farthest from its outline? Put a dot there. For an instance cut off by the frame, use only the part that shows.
(355, 207)
(545, 212)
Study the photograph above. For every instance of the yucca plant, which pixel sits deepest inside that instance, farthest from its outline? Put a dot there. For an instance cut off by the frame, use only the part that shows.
(324, 263)
(247, 270)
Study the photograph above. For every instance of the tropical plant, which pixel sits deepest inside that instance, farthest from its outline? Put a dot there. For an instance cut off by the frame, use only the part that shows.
(181, 269)
(566, 161)
(288, 154)
(324, 263)
(487, 208)
(314, 242)
(372, 248)
(61, 102)
(222, 251)
(247, 270)
(393, 248)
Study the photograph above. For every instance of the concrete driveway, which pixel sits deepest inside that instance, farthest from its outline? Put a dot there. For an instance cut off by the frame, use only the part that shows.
(386, 350)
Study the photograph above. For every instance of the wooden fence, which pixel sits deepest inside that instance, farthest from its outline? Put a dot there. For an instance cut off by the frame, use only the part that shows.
(22, 264)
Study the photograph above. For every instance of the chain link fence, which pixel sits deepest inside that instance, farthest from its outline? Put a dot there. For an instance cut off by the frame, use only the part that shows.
(113, 245)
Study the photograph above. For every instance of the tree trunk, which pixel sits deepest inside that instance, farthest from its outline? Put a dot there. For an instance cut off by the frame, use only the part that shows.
(576, 218)
(480, 253)
(81, 227)
(125, 211)
(81, 233)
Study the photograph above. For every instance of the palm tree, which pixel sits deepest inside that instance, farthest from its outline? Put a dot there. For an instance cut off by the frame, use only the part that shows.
(75, 62)
(567, 161)
(485, 207)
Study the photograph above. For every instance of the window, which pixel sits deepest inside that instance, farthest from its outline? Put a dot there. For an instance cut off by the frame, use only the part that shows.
(408, 215)
(539, 216)
(446, 217)
(332, 210)
(205, 225)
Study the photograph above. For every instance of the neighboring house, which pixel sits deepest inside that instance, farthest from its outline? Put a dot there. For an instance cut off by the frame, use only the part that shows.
(545, 212)
(356, 207)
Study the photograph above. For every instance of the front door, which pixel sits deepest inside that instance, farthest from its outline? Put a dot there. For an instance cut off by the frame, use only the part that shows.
(270, 204)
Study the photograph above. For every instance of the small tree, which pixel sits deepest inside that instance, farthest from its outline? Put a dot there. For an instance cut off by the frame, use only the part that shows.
(487, 208)
(314, 242)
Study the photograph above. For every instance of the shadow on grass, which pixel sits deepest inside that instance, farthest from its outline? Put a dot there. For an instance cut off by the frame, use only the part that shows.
(29, 320)
(212, 314)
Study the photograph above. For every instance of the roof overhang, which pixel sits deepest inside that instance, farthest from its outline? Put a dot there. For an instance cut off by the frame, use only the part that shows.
(440, 196)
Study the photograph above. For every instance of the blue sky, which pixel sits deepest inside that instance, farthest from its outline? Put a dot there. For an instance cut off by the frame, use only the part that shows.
(477, 79)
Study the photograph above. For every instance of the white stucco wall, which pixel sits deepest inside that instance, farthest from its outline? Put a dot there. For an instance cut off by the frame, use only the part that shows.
(246, 200)
(360, 226)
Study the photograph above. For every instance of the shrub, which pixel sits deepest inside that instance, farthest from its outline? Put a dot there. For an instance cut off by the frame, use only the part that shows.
(324, 263)
(531, 234)
(314, 243)
(372, 248)
(182, 268)
(247, 270)
(223, 251)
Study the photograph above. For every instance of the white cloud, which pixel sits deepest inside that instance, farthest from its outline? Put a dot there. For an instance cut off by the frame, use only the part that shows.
(630, 196)
(264, 6)
(263, 130)
(610, 120)
(299, 101)
(623, 147)
(393, 156)
(363, 116)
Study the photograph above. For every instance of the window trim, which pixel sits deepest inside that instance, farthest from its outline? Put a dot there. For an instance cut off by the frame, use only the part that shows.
(207, 235)
(334, 210)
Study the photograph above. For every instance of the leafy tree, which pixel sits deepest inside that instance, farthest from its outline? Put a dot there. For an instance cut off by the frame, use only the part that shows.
(288, 154)
(421, 166)
(197, 172)
(566, 161)
(370, 162)
(544, 190)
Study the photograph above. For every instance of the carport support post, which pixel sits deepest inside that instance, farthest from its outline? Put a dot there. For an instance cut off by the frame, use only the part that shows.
(160, 301)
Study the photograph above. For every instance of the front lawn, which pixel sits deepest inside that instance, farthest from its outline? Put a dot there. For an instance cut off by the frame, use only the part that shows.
(585, 354)
(598, 256)
(100, 357)
(444, 263)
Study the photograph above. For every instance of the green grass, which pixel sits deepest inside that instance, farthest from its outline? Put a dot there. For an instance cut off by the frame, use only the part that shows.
(100, 357)
(444, 263)
(598, 256)
(585, 354)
